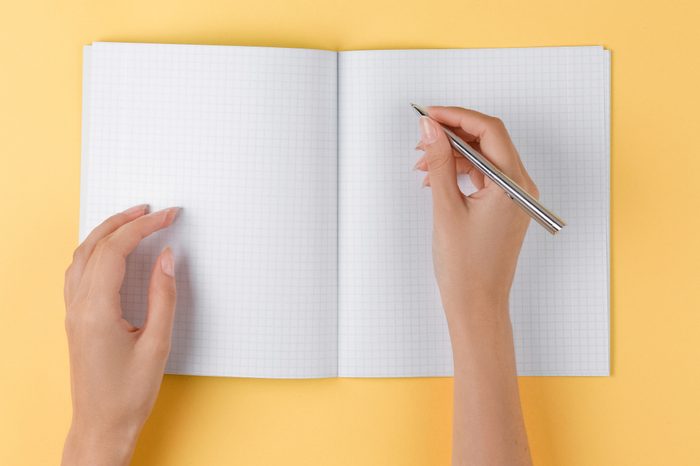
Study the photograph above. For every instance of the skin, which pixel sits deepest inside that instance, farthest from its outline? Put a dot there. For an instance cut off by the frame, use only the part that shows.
(117, 369)
(476, 243)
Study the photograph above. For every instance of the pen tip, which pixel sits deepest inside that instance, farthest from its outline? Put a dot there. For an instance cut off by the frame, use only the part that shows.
(419, 109)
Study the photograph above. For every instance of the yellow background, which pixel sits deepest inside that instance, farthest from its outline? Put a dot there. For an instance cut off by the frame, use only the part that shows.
(647, 413)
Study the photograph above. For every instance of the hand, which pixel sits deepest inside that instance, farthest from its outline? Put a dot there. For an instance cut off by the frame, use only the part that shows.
(477, 238)
(116, 369)
(476, 242)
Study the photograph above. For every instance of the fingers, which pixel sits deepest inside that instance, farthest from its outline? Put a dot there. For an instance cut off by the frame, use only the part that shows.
(440, 163)
(107, 264)
(158, 327)
(84, 251)
(489, 132)
(127, 237)
(462, 166)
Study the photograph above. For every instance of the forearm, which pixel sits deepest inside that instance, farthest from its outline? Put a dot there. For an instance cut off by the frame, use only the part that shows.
(488, 422)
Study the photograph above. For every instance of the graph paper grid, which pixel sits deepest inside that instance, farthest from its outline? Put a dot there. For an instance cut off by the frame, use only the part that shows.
(555, 104)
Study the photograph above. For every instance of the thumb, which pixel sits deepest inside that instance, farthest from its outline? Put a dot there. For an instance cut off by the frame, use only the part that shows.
(161, 300)
(441, 163)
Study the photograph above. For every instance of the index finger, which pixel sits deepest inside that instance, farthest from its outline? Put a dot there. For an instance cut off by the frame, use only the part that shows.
(83, 252)
(107, 265)
(488, 131)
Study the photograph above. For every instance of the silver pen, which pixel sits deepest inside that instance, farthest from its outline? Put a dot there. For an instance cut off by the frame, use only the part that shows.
(548, 219)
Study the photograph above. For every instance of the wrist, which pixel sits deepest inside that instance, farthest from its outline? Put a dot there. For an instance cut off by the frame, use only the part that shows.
(476, 308)
(95, 444)
(470, 322)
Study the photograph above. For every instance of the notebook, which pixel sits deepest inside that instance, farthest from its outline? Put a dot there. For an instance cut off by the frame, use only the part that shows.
(304, 245)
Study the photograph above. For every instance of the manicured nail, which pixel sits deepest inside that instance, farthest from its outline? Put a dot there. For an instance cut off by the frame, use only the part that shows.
(137, 209)
(171, 214)
(421, 165)
(428, 134)
(167, 262)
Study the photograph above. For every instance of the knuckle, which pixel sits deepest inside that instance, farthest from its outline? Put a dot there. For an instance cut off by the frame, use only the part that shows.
(100, 246)
(107, 245)
(438, 162)
(497, 123)
(78, 253)
(114, 222)
(118, 219)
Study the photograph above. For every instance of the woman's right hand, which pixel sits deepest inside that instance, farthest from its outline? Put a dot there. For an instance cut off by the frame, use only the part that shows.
(476, 242)
(477, 238)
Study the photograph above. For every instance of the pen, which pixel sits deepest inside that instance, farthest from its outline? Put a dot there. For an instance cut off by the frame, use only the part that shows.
(548, 219)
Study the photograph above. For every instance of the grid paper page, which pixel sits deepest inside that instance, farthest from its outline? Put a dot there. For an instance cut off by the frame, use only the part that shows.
(244, 140)
(555, 102)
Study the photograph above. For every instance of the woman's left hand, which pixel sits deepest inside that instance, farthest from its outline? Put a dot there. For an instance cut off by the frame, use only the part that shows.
(116, 369)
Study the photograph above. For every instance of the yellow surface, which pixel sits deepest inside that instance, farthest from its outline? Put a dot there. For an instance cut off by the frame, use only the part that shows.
(645, 414)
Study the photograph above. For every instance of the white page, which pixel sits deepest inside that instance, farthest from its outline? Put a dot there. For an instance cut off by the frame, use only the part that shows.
(244, 139)
(555, 103)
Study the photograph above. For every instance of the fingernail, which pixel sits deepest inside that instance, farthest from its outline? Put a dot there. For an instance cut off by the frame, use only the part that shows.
(426, 182)
(419, 146)
(137, 209)
(428, 134)
(421, 165)
(171, 214)
(167, 262)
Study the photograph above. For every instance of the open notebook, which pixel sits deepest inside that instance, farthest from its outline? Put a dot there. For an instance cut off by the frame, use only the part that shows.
(304, 244)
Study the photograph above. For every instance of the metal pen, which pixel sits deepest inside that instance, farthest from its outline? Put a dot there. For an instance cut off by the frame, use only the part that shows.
(550, 221)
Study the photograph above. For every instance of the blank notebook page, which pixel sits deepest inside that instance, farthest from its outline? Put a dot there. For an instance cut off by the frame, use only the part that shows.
(244, 140)
(555, 103)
